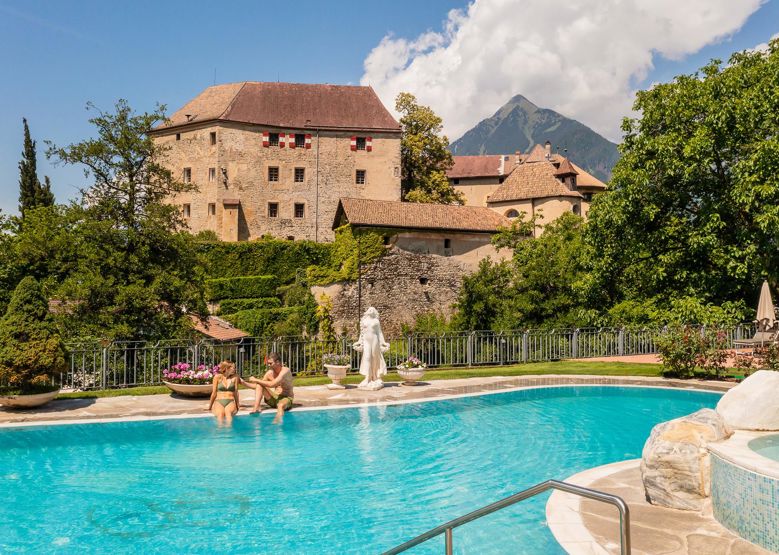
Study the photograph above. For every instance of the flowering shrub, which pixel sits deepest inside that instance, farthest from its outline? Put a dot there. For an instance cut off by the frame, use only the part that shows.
(683, 349)
(336, 359)
(183, 373)
(411, 362)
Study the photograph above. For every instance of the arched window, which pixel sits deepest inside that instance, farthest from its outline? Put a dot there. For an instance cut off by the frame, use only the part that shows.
(576, 209)
(512, 214)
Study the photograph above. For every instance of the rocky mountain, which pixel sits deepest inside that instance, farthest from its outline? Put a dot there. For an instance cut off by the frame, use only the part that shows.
(519, 124)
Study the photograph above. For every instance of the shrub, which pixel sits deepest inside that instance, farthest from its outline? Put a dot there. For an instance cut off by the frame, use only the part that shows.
(343, 263)
(261, 322)
(31, 351)
(767, 357)
(243, 287)
(231, 306)
(682, 349)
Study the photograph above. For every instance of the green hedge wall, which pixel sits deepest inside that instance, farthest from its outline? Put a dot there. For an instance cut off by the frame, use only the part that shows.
(243, 287)
(260, 322)
(230, 306)
(263, 256)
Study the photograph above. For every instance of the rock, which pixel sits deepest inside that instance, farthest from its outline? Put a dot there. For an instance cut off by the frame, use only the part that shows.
(753, 404)
(675, 466)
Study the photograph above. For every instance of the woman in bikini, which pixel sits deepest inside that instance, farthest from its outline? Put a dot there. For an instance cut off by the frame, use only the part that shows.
(224, 395)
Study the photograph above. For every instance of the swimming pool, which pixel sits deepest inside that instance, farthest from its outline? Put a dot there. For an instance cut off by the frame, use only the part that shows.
(768, 446)
(355, 480)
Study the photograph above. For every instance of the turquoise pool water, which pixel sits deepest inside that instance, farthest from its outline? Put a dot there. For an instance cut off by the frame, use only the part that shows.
(354, 480)
(768, 446)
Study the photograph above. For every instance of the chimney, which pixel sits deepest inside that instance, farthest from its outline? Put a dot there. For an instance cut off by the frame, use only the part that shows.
(517, 154)
(548, 148)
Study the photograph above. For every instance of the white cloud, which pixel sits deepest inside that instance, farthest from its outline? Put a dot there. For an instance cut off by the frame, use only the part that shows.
(580, 57)
(763, 46)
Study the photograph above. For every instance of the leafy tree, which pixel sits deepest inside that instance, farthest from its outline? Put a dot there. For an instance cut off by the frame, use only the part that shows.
(692, 210)
(424, 154)
(32, 193)
(136, 272)
(31, 351)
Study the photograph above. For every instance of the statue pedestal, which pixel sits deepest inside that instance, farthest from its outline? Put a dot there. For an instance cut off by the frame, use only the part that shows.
(375, 385)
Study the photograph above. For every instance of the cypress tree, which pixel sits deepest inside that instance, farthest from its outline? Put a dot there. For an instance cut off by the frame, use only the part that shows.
(32, 193)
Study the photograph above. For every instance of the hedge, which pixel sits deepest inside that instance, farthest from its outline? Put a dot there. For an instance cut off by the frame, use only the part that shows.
(230, 306)
(241, 287)
(344, 263)
(260, 322)
(283, 259)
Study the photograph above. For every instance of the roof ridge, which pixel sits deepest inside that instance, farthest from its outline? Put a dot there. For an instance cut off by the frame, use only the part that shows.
(230, 104)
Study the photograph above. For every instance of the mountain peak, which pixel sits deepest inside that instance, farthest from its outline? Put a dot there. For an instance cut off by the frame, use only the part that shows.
(519, 124)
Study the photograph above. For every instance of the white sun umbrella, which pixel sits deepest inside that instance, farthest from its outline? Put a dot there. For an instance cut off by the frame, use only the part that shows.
(765, 307)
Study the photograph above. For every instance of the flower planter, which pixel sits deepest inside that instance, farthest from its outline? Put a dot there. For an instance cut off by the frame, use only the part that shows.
(411, 376)
(190, 390)
(336, 372)
(27, 401)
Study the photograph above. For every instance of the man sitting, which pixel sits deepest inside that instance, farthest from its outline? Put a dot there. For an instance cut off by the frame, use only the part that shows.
(275, 387)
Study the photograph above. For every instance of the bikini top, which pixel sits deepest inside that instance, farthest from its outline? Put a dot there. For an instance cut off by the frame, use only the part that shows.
(230, 387)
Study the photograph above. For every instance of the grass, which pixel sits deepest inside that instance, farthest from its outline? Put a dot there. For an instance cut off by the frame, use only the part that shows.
(533, 369)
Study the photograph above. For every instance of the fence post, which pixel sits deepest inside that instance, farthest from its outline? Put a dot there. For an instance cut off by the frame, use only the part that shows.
(525, 337)
(575, 344)
(469, 349)
(408, 346)
(104, 366)
(621, 342)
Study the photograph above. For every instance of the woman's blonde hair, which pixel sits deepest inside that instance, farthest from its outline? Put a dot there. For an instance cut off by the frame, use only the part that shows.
(227, 368)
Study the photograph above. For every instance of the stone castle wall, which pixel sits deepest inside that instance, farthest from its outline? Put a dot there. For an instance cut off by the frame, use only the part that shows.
(241, 166)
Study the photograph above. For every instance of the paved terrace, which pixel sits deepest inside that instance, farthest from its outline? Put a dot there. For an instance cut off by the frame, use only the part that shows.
(320, 396)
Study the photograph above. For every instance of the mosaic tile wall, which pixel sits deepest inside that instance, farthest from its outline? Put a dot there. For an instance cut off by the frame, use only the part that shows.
(746, 502)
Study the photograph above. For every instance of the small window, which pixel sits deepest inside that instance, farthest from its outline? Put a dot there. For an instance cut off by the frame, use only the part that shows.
(360, 143)
(588, 197)
(447, 243)
(512, 214)
(273, 209)
(300, 175)
(273, 173)
(360, 177)
(178, 136)
(290, 237)
(575, 209)
(186, 175)
(212, 174)
(423, 280)
(185, 209)
(212, 137)
(273, 139)
(300, 140)
(456, 181)
(300, 210)
(211, 209)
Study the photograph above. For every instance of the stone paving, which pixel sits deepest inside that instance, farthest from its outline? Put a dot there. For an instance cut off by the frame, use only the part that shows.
(321, 396)
(657, 530)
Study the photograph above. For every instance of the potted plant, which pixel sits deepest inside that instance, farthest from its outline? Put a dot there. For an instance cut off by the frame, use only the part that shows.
(31, 350)
(411, 370)
(181, 378)
(337, 366)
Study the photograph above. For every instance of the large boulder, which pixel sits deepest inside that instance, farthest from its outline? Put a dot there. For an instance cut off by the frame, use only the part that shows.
(675, 466)
(753, 404)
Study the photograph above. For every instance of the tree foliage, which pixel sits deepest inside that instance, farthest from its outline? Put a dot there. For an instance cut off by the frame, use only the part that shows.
(424, 154)
(32, 193)
(31, 350)
(693, 206)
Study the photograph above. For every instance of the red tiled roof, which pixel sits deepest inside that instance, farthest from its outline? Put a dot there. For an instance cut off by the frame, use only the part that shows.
(411, 215)
(478, 166)
(216, 328)
(289, 106)
(531, 180)
(565, 168)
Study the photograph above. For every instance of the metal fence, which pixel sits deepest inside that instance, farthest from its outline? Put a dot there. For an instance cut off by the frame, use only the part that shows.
(104, 365)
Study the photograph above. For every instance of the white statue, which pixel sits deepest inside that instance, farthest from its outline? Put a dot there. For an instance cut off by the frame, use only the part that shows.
(372, 346)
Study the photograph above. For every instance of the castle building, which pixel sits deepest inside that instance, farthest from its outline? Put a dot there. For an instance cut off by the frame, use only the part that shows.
(538, 183)
(274, 158)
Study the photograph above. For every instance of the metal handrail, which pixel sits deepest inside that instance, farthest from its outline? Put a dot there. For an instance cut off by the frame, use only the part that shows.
(446, 529)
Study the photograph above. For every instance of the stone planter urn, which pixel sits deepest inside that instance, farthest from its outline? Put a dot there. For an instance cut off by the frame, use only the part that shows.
(27, 401)
(336, 372)
(411, 376)
(190, 390)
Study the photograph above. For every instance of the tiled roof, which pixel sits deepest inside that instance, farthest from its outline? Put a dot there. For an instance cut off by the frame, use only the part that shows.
(478, 166)
(536, 154)
(531, 180)
(565, 168)
(289, 106)
(216, 328)
(410, 215)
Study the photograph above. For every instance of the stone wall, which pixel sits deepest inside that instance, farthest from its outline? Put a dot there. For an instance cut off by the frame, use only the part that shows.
(241, 173)
(400, 285)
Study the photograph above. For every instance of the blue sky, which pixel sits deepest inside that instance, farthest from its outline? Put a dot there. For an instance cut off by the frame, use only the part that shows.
(56, 56)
